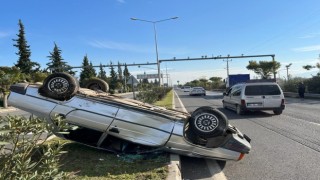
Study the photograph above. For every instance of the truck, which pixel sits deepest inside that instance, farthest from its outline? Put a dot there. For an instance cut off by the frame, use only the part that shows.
(233, 79)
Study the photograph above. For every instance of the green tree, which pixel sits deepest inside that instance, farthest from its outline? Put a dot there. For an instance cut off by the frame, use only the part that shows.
(203, 82)
(57, 64)
(24, 62)
(102, 73)
(126, 75)
(216, 82)
(264, 68)
(120, 76)
(309, 67)
(8, 76)
(87, 71)
(113, 79)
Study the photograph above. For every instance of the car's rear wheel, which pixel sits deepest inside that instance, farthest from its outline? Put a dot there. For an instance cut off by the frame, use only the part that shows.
(277, 111)
(59, 86)
(207, 122)
(96, 84)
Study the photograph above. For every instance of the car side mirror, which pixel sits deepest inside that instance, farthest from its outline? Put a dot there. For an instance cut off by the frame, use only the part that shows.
(224, 94)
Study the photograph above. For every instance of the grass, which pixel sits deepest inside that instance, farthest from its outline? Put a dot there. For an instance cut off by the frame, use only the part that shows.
(90, 163)
(166, 101)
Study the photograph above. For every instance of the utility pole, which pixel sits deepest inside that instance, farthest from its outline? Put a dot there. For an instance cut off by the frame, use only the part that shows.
(288, 66)
(167, 75)
(228, 65)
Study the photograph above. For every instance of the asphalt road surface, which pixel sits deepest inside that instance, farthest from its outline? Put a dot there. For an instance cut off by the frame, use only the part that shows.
(285, 146)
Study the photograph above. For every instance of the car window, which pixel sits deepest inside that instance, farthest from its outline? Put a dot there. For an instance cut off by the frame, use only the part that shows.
(229, 91)
(236, 93)
(259, 90)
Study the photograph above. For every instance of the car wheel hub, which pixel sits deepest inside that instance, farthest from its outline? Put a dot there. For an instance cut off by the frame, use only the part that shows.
(206, 122)
(58, 85)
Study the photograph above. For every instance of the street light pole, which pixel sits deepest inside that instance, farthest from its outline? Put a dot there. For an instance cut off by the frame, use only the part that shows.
(155, 40)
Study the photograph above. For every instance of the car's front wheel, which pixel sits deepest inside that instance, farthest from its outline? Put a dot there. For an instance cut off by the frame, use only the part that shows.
(208, 122)
(59, 86)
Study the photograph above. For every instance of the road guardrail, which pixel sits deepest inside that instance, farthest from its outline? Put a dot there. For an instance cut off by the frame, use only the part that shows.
(306, 95)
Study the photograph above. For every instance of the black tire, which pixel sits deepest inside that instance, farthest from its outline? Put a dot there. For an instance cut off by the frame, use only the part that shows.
(96, 84)
(194, 139)
(277, 111)
(59, 86)
(207, 122)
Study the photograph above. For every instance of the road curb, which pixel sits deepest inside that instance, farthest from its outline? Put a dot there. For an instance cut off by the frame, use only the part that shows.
(9, 109)
(174, 168)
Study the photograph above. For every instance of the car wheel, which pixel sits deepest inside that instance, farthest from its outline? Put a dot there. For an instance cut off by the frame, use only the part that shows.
(59, 86)
(194, 139)
(96, 84)
(207, 122)
(239, 110)
(277, 111)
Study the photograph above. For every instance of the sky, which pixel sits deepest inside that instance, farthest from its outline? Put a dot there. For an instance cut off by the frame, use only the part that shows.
(103, 30)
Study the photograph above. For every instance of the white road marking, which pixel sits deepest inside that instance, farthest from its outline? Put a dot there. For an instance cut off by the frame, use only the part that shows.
(182, 106)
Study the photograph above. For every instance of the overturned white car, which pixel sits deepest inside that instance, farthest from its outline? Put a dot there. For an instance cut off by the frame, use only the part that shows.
(123, 125)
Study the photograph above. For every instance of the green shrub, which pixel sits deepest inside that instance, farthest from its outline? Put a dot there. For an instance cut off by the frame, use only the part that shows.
(23, 154)
(313, 84)
(292, 84)
(150, 94)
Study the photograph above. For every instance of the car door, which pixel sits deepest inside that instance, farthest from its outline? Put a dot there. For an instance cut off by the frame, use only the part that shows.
(272, 96)
(254, 96)
(87, 113)
(141, 126)
(235, 97)
(227, 98)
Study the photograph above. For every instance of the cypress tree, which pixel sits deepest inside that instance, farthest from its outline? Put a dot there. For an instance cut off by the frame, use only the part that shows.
(24, 62)
(113, 76)
(126, 72)
(120, 77)
(57, 64)
(87, 70)
(102, 73)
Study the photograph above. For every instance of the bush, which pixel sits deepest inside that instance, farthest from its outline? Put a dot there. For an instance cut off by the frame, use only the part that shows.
(313, 84)
(23, 152)
(150, 94)
(292, 84)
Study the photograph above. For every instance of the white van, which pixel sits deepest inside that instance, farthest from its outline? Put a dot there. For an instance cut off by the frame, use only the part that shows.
(254, 95)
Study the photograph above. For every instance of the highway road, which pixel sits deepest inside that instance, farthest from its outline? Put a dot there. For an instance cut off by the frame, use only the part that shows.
(285, 146)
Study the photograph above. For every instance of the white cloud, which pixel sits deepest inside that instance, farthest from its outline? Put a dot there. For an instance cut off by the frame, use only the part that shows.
(307, 48)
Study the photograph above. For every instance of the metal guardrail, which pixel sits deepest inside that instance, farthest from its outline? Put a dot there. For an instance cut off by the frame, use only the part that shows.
(306, 95)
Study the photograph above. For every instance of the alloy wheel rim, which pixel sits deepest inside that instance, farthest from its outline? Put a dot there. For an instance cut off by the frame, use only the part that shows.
(206, 122)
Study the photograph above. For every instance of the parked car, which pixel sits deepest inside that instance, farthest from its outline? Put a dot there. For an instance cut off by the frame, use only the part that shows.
(124, 125)
(186, 89)
(255, 95)
(197, 91)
